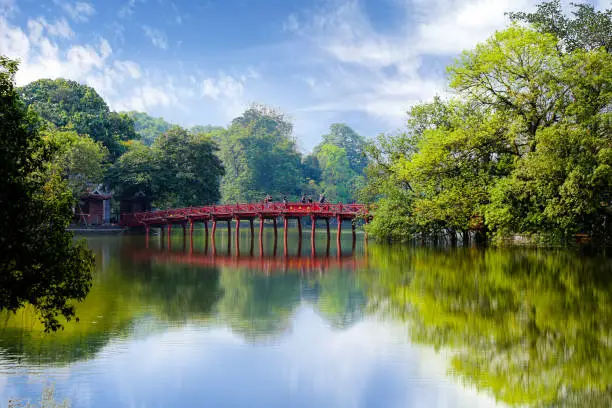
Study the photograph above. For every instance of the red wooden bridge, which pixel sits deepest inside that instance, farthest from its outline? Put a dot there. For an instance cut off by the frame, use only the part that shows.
(239, 212)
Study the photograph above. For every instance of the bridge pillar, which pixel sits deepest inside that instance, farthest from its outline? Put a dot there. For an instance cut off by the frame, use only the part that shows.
(299, 222)
(169, 227)
(354, 235)
(313, 220)
(237, 236)
(275, 229)
(214, 228)
(191, 230)
(285, 228)
(261, 228)
(339, 234)
(206, 229)
(327, 226)
(252, 230)
(229, 235)
(184, 231)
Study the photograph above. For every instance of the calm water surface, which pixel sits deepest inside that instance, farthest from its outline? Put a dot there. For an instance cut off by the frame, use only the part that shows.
(369, 326)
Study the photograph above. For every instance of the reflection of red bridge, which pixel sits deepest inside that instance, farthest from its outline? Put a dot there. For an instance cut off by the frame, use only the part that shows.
(262, 263)
(238, 212)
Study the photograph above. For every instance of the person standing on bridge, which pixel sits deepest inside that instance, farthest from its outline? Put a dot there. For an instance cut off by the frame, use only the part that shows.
(303, 200)
(285, 201)
(309, 200)
(321, 198)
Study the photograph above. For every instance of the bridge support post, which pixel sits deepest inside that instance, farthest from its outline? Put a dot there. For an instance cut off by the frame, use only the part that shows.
(327, 226)
(229, 235)
(214, 228)
(275, 229)
(169, 227)
(252, 230)
(237, 236)
(299, 223)
(206, 228)
(184, 231)
(261, 228)
(285, 228)
(191, 230)
(339, 235)
(354, 235)
(313, 220)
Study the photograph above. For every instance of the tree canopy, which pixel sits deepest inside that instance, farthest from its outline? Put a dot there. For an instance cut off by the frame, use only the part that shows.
(180, 169)
(70, 105)
(260, 156)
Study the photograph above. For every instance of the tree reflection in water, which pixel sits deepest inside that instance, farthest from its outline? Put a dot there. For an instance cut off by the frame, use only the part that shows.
(138, 291)
(533, 327)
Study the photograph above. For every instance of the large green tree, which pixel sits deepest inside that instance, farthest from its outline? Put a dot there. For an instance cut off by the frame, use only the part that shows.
(68, 104)
(40, 264)
(179, 169)
(78, 159)
(259, 153)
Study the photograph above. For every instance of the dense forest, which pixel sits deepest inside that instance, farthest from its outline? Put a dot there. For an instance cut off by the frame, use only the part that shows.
(524, 146)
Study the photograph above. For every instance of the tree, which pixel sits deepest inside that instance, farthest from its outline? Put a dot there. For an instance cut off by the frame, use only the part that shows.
(68, 104)
(189, 168)
(337, 178)
(137, 171)
(77, 159)
(40, 264)
(180, 169)
(588, 30)
(260, 157)
(342, 136)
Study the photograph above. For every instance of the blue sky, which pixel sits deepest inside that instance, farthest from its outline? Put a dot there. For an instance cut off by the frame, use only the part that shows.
(361, 62)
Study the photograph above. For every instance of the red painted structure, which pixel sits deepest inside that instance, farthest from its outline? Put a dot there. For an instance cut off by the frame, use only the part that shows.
(272, 211)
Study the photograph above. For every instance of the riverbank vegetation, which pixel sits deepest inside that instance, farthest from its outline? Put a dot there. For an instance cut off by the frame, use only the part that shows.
(524, 145)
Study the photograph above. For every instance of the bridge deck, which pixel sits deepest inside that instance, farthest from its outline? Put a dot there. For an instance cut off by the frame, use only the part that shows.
(243, 211)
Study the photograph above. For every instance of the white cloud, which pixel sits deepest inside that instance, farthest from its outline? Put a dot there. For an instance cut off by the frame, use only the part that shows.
(79, 11)
(157, 37)
(383, 73)
(227, 91)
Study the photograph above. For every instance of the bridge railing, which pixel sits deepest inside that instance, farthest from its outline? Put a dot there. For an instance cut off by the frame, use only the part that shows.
(235, 210)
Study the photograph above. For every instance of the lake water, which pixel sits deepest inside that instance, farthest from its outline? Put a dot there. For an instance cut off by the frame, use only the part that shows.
(369, 326)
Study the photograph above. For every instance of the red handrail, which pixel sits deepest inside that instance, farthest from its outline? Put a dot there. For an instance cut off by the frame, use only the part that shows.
(238, 210)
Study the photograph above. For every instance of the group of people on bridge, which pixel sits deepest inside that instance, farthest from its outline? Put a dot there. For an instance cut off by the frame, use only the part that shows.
(303, 200)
